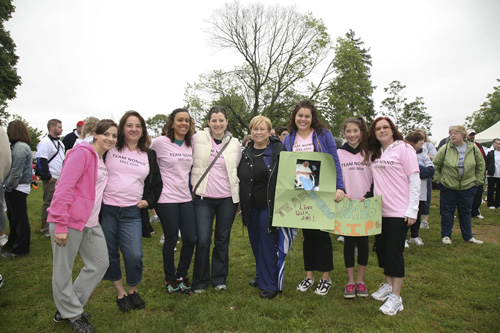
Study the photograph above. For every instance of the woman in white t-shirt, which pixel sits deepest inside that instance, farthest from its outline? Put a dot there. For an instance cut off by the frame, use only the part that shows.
(175, 206)
(396, 177)
(216, 190)
(134, 185)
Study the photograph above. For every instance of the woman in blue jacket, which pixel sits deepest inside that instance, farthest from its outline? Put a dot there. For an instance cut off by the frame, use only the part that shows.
(308, 134)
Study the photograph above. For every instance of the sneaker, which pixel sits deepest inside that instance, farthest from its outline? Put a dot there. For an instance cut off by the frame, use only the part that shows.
(199, 291)
(81, 325)
(446, 240)
(416, 241)
(361, 290)
(4, 238)
(392, 305)
(340, 239)
(8, 255)
(136, 301)
(383, 292)
(406, 244)
(154, 218)
(305, 284)
(184, 286)
(1, 281)
(491, 207)
(59, 319)
(323, 287)
(424, 225)
(162, 239)
(124, 304)
(350, 290)
(221, 287)
(173, 288)
(475, 241)
(479, 217)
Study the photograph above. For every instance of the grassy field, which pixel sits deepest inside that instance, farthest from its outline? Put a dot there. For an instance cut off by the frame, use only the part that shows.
(447, 289)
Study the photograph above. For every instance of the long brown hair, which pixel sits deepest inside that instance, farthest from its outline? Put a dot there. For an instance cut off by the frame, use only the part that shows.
(17, 131)
(373, 144)
(168, 129)
(144, 141)
(316, 123)
(363, 144)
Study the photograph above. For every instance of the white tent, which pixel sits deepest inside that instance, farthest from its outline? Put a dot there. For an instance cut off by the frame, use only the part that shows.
(489, 134)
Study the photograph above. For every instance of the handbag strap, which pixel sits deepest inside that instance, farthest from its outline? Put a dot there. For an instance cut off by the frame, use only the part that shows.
(209, 167)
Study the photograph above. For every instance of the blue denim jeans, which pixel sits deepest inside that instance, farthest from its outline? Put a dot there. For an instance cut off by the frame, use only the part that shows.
(122, 227)
(461, 200)
(175, 216)
(224, 211)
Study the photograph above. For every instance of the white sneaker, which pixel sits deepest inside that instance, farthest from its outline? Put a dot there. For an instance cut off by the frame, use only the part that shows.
(424, 225)
(221, 287)
(305, 284)
(323, 287)
(446, 240)
(475, 241)
(340, 239)
(162, 239)
(479, 216)
(416, 241)
(3, 240)
(393, 305)
(383, 292)
(406, 244)
(491, 207)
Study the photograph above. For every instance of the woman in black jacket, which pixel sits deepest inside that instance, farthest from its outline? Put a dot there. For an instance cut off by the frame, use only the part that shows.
(257, 173)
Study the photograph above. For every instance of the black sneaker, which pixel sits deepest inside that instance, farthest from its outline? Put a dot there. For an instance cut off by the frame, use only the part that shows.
(173, 287)
(59, 319)
(81, 325)
(136, 300)
(124, 304)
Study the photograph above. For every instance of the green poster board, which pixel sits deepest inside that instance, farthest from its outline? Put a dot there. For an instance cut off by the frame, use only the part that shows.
(305, 198)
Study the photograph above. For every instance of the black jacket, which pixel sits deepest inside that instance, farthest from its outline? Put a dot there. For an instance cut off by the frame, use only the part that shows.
(153, 186)
(245, 175)
(69, 140)
(490, 163)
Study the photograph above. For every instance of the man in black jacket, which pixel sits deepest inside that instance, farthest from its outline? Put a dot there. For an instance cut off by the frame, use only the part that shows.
(69, 139)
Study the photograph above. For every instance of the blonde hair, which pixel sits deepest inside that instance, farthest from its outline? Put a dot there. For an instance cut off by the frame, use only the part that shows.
(89, 126)
(257, 120)
(458, 128)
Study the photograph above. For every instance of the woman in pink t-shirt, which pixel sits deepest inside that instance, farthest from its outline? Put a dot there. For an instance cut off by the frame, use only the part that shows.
(175, 206)
(357, 176)
(134, 186)
(73, 218)
(396, 177)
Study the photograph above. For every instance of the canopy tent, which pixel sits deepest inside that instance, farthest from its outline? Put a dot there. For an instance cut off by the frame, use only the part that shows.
(489, 134)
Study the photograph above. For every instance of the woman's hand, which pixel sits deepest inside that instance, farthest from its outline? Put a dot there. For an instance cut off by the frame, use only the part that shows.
(410, 220)
(339, 195)
(60, 239)
(142, 204)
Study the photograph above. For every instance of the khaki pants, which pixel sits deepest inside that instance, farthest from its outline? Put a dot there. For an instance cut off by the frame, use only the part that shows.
(48, 193)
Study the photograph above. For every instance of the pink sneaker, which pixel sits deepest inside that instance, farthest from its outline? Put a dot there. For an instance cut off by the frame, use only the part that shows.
(361, 290)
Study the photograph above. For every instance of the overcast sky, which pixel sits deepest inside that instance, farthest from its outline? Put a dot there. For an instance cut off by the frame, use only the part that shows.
(81, 58)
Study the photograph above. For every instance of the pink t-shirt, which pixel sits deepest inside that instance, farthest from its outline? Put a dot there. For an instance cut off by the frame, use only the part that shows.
(127, 171)
(175, 164)
(102, 180)
(218, 185)
(356, 174)
(391, 174)
(301, 144)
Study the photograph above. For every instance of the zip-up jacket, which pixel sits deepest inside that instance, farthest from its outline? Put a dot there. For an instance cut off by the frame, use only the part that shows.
(152, 191)
(245, 174)
(21, 168)
(490, 163)
(446, 165)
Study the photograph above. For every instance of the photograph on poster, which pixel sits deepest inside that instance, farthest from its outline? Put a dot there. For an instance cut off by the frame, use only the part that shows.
(307, 175)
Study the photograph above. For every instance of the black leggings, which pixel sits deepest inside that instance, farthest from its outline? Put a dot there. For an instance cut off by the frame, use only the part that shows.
(349, 244)
(317, 250)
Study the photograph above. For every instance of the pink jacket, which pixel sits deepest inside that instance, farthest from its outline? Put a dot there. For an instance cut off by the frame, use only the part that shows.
(74, 196)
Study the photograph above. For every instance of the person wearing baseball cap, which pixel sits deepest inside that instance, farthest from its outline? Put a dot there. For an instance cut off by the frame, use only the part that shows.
(69, 139)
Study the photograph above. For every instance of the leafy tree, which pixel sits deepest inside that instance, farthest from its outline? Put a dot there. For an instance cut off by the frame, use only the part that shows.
(9, 79)
(35, 133)
(155, 124)
(488, 114)
(280, 48)
(407, 116)
(350, 92)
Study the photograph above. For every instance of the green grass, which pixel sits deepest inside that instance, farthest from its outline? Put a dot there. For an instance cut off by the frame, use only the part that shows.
(446, 289)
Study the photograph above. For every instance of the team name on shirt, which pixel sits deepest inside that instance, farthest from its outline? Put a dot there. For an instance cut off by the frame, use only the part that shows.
(129, 160)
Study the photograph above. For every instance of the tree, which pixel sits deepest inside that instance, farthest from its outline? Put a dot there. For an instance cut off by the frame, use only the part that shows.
(407, 116)
(350, 92)
(155, 124)
(9, 79)
(488, 114)
(280, 48)
(34, 132)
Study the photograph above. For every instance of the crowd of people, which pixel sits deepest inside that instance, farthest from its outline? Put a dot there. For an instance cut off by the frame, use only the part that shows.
(101, 180)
